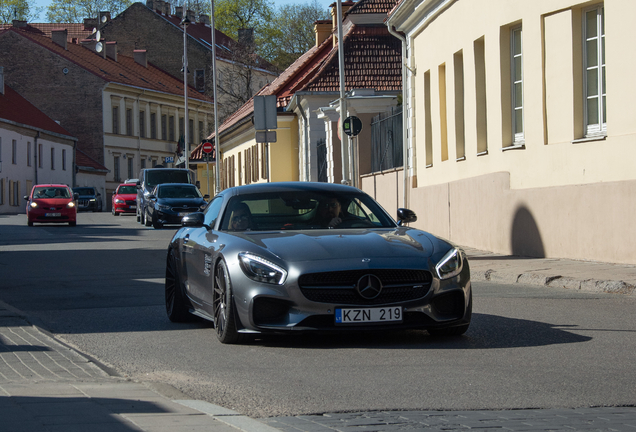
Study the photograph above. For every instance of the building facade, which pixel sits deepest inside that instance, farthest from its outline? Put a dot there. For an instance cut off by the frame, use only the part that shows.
(520, 139)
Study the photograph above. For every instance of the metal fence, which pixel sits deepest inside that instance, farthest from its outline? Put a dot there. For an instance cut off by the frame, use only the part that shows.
(386, 140)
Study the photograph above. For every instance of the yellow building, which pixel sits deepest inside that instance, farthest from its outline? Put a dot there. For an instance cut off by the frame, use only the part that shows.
(520, 141)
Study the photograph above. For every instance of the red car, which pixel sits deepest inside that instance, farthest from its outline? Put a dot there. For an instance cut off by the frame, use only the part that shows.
(51, 203)
(125, 199)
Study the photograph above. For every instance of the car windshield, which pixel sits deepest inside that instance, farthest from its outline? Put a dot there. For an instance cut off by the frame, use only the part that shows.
(303, 210)
(84, 191)
(127, 190)
(178, 191)
(51, 192)
(160, 176)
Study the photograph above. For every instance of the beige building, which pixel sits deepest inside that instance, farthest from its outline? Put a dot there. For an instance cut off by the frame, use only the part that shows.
(519, 141)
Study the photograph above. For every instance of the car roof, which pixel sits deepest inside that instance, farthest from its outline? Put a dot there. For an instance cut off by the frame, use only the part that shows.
(51, 185)
(292, 186)
(175, 184)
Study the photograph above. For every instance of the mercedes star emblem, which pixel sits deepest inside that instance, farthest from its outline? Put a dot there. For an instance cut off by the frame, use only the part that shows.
(369, 286)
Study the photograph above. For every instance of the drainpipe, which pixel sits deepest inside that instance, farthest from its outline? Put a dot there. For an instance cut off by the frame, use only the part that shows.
(405, 147)
(306, 138)
(75, 164)
(35, 155)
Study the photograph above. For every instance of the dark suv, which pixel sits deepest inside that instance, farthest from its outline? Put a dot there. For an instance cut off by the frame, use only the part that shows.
(89, 199)
(149, 178)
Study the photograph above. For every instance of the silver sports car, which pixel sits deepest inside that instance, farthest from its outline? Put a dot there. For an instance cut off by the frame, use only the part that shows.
(298, 256)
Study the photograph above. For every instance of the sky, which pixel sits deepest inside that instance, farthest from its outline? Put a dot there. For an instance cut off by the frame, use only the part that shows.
(324, 3)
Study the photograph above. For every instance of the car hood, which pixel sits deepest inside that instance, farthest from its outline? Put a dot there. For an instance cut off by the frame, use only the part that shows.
(297, 246)
(126, 196)
(51, 201)
(179, 202)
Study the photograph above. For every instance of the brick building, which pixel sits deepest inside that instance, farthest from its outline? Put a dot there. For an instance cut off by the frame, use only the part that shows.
(155, 28)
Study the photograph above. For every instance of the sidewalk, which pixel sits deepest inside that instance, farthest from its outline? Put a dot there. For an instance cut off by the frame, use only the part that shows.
(47, 386)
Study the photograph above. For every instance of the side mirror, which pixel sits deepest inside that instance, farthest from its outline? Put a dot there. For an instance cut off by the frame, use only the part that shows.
(152, 197)
(138, 184)
(75, 196)
(26, 197)
(206, 197)
(193, 220)
(198, 184)
(406, 216)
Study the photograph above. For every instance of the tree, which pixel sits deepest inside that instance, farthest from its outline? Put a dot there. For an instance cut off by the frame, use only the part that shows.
(17, 9)
(290, 34)
(74, 11)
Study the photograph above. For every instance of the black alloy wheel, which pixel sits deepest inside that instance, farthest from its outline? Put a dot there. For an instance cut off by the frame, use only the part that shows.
(177, 305)
(223, 306)
(147, 220)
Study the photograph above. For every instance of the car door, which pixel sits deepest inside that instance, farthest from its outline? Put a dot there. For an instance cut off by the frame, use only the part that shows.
(199, 253)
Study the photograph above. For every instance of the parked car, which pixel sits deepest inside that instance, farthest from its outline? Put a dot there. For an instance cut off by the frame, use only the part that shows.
(301, 256)
(89, 199)
(149, 178)
(125, 199)
(51, 203)
(170, 202)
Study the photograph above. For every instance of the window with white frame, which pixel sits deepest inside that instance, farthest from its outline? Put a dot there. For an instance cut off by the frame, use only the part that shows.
(40, 156)
(116, 174)
(1, 191)
(115, 120)
(52, 158)
(14, 152)
(516, 69)
(63, 159)
(594, 58)
(131, 167)
(29, 154)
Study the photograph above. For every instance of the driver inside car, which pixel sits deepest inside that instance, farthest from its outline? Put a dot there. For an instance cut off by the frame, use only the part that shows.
(329, 212)
(241, 219)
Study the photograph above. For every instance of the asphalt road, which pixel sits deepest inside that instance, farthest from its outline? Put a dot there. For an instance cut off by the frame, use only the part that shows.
(99, 287)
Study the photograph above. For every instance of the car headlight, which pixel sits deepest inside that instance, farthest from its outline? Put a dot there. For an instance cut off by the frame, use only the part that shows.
(203, 206)
(70, 205)
(451, 265)
(92, 199)
(33, 204)
(162, 207)
(119, 201)
(261, 270)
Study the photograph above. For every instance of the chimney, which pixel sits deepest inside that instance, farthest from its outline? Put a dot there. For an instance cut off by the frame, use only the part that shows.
(104, 17)
(1, 80)
(191, 16)
(19, 23)
(59, 37)
(159, 6)
(204, 19)
(150, 4)
(178, 11)
(167, 8)
(323, 29)
(111, 50)
(346, 5)
(140, 57)
(246, 36)
(90, 23)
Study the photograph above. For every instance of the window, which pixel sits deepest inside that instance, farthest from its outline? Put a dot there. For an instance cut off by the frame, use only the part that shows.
(190, 131)
(0, 156)
(129, 122)
(116, 169)
(14, 152)
(199, 80)
(131, 167)
(164, 127)
(201, 131)
(480, 92)
(1, 191)
(142, 124)
(115, 120)
(516, 69)
(52, 158)
(171, 129)
(594, 58)
(153, 125)
(143, 162)
(40, 156)
(63, 159)
(29, 154)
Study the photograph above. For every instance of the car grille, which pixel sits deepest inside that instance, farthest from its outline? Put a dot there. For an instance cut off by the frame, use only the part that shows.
(340, 287)
(82, 203)
(131, 202)
(184, 209)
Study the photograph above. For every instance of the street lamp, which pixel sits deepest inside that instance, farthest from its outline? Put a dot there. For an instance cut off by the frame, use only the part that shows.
(186, 146)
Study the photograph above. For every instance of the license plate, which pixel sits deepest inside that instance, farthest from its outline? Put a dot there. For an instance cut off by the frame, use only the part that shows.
(53, 214)
(133, 207)
(184, 213)
(368, 315)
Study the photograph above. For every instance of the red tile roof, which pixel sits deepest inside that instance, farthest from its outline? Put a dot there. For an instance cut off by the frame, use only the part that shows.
(17, 109)
(75, 31)
(373, 6)
(86, 163)
(123, 71)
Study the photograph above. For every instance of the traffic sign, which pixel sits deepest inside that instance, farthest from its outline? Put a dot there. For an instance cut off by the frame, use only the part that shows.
(169, 159)
(207, 147)
(352, 126)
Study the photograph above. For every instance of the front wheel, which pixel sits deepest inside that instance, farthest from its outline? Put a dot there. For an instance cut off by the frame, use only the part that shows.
(177, 306)
(147, 221)
(223, 306)
(156, 224)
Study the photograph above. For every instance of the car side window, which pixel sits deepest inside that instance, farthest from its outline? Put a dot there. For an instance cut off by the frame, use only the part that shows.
(212, 212)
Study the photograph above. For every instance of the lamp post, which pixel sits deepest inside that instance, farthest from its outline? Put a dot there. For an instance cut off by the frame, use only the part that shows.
(217, 140)
(186, 146)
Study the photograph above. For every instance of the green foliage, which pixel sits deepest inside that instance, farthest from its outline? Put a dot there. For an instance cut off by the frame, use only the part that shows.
(74, 11)
(232, 15)
(17, 9)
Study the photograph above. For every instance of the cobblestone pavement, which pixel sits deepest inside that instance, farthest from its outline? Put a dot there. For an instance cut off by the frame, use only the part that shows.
(578, 419)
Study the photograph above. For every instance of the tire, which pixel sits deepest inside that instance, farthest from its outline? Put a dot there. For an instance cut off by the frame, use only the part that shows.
(29, 223)
(156, 224)
(72, 223)
(459, 330)
(223, 307)
(177, 305)
(147, 222)
(138, 217)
